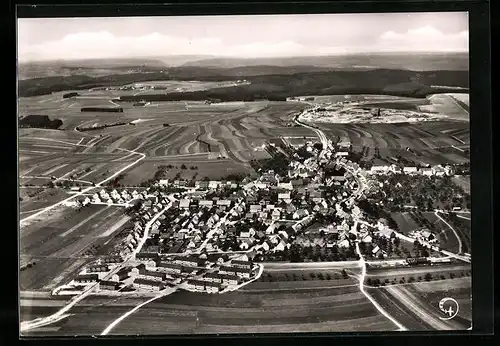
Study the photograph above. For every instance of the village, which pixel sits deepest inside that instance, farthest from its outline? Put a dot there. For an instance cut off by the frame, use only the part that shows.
(212, 237)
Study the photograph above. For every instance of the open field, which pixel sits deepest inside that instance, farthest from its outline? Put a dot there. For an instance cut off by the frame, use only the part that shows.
(455, 106)
(416, 305)
(447, 239)
(405, 222)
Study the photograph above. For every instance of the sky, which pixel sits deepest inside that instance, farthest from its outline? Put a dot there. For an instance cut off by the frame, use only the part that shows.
(241, 36)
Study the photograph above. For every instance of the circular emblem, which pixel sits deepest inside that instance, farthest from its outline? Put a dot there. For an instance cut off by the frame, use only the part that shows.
(449, 307)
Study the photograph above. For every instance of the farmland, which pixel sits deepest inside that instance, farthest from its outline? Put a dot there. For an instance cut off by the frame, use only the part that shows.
(431, 142)
(261, 307)
(416, 305)
(60, 246)
(195, 140)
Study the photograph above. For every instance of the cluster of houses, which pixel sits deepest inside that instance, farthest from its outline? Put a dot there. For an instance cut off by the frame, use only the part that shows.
(423, 235)
(113, 197)
(437, 170)
(192, 271)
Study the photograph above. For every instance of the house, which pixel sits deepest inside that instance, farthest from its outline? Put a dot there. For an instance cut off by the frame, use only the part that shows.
(341, 153)
(343, 243)
(149, 284)
(138, 269)
(196, 284)
(163, 182)
(224, 202)
(87, 278)
(410, 170)
(122, 274)
(229, 279)
(97, 268)
(212, 277)
(284, 196)
(285, 186)
(254, 208)
(265, 246)
(297, 182)
(261, 185)
(112, 259)
(109, 285)
(426, 171)
(205, 203)
(290, 208)
(366, 239)
(380, 169)
(184, 203)
(300, 213)
(145, 256)
(190, 261)
(213, 184)
(212, 287)
(243, 272)
(438, 171)
(154, 275)
(281, 246)
(276, 214)
(377, 252)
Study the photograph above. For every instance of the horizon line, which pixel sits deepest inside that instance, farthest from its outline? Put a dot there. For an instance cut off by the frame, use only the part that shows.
(209, 56)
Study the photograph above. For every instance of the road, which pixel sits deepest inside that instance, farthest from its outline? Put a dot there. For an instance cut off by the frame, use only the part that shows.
(362, 289)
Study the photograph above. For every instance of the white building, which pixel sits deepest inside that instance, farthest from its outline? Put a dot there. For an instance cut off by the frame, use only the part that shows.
(410, 170)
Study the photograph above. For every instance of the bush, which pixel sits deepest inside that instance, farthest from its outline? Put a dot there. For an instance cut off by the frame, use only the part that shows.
(386, 281)
(428, 277)
(411, 279)
(442, 277)
(369, 281)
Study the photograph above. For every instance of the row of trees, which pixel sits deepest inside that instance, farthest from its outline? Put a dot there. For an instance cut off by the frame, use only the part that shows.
(427, 277)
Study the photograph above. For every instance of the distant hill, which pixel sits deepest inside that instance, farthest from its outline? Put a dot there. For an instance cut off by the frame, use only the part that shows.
(408, 61)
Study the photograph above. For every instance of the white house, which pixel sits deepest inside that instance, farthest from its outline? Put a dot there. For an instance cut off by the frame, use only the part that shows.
(410, 170)
(380, 169)
(284, 195)
(213, 184)
(343, 243)
(285, 186)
